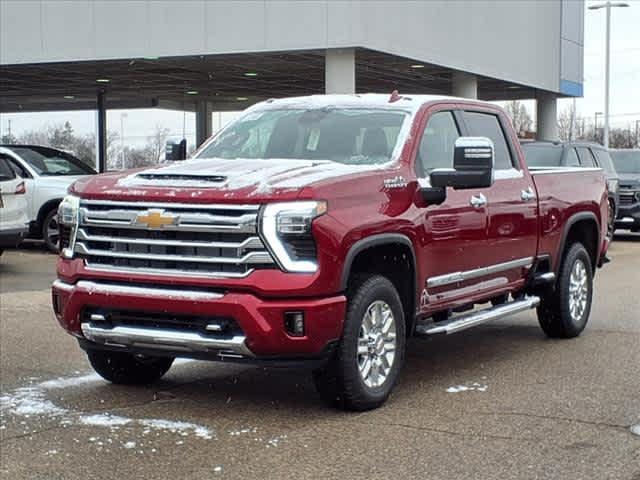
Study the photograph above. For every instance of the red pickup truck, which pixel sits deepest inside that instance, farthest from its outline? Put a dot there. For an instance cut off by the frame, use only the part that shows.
(324, 231)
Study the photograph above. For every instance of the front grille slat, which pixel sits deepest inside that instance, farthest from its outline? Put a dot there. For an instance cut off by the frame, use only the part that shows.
(207, 240)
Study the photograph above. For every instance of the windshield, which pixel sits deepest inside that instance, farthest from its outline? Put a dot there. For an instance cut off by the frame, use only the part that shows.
(349, 136)
(48, 161)
(626, 161)
(542, 155)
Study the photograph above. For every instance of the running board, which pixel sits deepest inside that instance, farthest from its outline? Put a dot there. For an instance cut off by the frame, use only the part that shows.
(477, 318)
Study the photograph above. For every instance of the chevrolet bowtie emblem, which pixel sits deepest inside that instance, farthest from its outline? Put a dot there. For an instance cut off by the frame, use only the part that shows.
(156, 219)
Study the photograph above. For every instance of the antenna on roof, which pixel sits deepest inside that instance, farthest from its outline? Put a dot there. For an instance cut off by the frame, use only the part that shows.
(395, 96)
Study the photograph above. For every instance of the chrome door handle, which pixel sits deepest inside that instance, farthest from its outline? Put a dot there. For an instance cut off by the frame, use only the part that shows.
(478, 201)
(528, 195)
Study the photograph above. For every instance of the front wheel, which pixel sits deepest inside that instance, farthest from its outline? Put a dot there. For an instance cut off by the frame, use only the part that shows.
(127, 369)
(51, 231)
(564, 312)
(368, 359)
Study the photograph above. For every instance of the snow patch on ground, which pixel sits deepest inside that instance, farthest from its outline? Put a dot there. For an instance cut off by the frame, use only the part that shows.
(104, 420)
(181, 428)
(469, 387)
(635, 429)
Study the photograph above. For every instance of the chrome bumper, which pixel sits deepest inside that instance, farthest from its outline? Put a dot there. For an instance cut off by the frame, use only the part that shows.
(153, 338)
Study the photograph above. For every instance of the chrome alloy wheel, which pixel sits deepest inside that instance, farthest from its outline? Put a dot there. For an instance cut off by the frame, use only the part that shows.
(376, 344)
(578, 291)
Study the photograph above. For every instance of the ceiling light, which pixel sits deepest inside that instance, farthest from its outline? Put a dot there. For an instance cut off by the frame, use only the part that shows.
(250, 74)
(150, 58)
(417, 65)
(241, 99)
(69, 97)
(191, 92)
(102, 80)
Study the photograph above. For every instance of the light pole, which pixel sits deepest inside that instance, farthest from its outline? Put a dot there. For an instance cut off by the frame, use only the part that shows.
(123, 115)
(608, 6)
(595, 127)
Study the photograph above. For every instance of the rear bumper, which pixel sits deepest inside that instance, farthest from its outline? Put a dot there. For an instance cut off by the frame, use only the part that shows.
(628, 216)
(12, 237)
(263, 335)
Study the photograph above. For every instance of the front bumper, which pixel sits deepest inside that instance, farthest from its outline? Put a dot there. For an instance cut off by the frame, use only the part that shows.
(628, 217)
(262, 334)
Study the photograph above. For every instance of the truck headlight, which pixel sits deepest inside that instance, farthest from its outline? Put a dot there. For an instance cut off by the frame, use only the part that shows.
(286, 229)
(68, 219)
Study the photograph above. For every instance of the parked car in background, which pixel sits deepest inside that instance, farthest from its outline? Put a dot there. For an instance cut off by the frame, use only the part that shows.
(577, 154)
(13, 207)
(47, 173)
(324, 231)
(627, 163)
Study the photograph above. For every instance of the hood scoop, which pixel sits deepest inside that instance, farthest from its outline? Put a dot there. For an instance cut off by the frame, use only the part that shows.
(180, 177)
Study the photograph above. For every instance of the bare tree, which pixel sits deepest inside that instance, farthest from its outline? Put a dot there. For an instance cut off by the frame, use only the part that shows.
(520, 117)
(156, 143)
(564, 124)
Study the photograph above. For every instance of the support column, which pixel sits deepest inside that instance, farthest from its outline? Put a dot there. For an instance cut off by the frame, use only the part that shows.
(101, 137)
(204, 110)
(340, 71)
(464, 85)
(546, 116)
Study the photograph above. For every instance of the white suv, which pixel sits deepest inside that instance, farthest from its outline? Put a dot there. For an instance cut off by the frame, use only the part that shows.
(47, 173)
(13, 207)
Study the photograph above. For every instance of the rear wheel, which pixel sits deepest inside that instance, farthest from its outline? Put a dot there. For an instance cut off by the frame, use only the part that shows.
(564, 312)
(50, 231)
(368, 359)
(127, 369)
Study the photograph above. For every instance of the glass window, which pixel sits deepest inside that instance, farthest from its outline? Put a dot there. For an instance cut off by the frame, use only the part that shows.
(343, 135)
(572, 158)
(6, 173)
(437, 143)
(19, 169)
(49, 161)
(542, 154)
(604, 160)
(488, 125)
(626, 161)
(586, 157)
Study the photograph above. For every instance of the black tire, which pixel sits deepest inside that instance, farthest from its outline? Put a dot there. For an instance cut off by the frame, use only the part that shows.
(127, 369)
(50, 241)
(554, 313)
(340, 383)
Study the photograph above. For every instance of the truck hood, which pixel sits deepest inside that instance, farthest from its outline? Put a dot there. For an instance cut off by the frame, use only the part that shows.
(629, 180)
(214, 179)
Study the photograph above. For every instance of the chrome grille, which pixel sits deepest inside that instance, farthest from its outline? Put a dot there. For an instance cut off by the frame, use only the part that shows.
(165, 238)
(628, 198)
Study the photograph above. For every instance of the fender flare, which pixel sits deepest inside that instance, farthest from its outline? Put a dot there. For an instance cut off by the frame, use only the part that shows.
(376, 241)
(575, 218)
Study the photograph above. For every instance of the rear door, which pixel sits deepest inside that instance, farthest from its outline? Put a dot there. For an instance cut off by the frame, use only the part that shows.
(512, 233)
(12, 206)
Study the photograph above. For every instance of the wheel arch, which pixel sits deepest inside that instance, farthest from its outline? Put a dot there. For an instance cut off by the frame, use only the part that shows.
(583, 227)
(45, 208)
(380, 244)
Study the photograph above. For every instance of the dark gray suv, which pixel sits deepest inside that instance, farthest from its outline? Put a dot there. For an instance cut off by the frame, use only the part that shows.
(581, 155)
(627, 163)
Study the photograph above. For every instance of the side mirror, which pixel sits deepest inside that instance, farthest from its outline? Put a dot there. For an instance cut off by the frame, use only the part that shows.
(175, 150)
(472, 165)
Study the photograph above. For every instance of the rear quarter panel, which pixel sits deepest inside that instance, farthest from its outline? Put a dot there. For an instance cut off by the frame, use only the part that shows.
(562, 195)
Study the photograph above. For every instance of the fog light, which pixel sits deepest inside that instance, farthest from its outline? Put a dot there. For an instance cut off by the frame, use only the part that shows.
(294, 323)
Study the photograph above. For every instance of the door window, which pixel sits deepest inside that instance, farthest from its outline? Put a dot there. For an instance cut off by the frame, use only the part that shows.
(586, 157)
(488, 125)
(437, 143)
(6, 173)
(572, 158)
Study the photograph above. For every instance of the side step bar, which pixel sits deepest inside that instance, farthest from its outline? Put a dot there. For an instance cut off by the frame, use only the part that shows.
(477, 318)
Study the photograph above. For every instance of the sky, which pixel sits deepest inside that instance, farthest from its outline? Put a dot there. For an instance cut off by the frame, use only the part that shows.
(624, 107)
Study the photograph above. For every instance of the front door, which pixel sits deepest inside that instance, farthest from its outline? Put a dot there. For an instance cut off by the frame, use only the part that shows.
(455, 232)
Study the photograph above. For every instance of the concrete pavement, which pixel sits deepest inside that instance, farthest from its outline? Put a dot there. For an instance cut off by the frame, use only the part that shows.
(498, 401)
